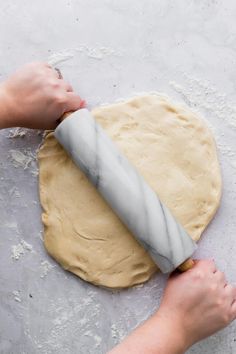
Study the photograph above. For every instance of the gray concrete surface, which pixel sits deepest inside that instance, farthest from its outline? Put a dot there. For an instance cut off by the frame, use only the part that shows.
(108, 49)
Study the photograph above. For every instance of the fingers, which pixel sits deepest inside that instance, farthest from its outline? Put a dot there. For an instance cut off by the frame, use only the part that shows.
(66, 86)
(220, 278)
(200, 268)
(74, 102)
(233, 309)
(56, 73)
(230, 292)
(59, 74)
(83, 104)
(48, 65)
(207, 265)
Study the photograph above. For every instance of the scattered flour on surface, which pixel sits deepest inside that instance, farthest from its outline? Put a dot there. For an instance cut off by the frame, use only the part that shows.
(114, 331)
(25, 160)
(203, 97)
(78, 316)
(117, 333)
(20, 159)
(45, 268)
(198, 93)
(97, 52)
(17, 251)
(17, 133)
(139, 286)
(14, 192)
(97, 339)
(12, 225)
(60, 57)
(16, 295)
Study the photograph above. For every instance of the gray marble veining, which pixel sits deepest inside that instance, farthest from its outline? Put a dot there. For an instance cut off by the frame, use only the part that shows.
(154, 43)
(131, 198)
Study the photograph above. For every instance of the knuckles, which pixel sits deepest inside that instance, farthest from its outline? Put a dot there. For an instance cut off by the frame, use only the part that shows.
(60, 99)
(55, 84)
(226, 319)
(213, 288)
(198, 275)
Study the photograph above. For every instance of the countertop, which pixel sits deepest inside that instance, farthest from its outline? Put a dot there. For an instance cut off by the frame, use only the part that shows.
(108, 50)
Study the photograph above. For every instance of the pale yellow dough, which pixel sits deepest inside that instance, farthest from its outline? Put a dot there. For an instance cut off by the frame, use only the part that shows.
(171, 147)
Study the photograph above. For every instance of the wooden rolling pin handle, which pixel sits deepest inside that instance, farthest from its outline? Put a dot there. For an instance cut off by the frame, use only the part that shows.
(188, 264)
(65, 115)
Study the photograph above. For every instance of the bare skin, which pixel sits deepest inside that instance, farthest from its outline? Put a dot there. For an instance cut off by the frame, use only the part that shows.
(195, 304)
(35, 97)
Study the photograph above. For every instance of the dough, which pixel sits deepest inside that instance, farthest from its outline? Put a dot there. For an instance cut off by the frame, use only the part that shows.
(175, 152)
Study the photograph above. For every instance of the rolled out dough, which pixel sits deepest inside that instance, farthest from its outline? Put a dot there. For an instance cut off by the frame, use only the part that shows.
(171, 147)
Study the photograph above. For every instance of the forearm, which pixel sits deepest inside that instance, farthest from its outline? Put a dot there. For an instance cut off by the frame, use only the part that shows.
(158, 335)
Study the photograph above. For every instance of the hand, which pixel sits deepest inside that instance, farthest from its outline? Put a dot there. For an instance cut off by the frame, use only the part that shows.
(195, 305)
(200, 302)
(35, 97)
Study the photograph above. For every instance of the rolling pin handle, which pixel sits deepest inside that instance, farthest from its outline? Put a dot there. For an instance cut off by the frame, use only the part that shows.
(65, 115)
(188, 264)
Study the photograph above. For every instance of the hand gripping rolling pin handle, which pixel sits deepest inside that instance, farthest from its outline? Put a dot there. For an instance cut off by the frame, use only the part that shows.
(110, 171)
(188, 264)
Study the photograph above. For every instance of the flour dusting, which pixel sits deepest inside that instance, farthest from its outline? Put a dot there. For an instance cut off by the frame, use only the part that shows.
(70, 316)
(14, 192)
(16, 295)
(202, 96)
(17, 133)
(19, 159)
(60, 57)
(17, 251)
(45, 268)
(25, 159)
(117, 333)
(97, 52)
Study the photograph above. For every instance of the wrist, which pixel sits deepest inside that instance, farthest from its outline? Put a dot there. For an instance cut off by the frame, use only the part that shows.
(172, 330)
(160, 334)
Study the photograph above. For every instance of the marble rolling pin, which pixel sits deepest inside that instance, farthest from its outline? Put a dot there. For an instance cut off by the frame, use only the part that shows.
(126, 191)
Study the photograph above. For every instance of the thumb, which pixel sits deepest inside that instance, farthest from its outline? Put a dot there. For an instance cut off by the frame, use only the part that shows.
(74, 102)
